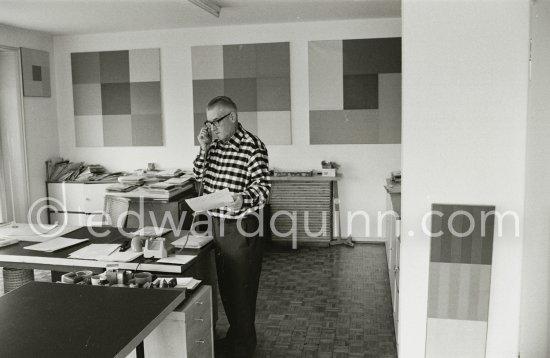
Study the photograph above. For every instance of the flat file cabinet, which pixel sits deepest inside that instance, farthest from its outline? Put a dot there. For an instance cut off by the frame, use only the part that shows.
(187, 332)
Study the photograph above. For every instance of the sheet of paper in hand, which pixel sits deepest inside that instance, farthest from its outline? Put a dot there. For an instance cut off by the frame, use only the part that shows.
(210, 201)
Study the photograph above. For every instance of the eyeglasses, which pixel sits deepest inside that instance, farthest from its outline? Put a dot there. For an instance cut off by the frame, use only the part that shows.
(215, 122)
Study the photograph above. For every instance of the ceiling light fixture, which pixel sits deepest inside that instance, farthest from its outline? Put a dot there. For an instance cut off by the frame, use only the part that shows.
(207, 5)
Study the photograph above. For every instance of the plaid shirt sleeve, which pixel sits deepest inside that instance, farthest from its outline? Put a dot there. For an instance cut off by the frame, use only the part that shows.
(258, 190)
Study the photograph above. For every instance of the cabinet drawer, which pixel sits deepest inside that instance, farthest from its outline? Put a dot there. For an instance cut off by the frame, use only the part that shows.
(94, 197)
(200, 348)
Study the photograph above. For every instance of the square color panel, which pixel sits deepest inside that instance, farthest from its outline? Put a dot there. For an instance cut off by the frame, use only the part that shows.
(115, 98)
(145, 98)
(114, 67)
(85, 67)
(344, 127)
(30, 60)
(249, 121)
(273, 60)
(451, 338)
(89, 131)
(239, 61)
(369, 56)
(117, 130)
(360, 91)
(207, 62)
(243, 92)
(204, 91)
(274, 127)
(87, 99)
(389, 105)
(326, 75)
(273, 94)
(144, 65)
(147, 129)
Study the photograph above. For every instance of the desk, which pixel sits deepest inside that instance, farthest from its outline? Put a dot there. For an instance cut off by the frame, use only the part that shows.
(43, 319)
(202, 267)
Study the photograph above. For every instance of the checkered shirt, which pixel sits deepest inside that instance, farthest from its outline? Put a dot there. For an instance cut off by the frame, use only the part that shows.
(239, 164)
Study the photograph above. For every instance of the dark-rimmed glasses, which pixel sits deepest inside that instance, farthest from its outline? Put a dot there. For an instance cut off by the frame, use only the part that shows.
(215, 122)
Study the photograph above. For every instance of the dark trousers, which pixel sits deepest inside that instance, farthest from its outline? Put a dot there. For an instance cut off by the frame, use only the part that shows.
(238, 264)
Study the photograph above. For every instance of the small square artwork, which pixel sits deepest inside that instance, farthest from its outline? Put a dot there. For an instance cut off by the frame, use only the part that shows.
(117, 98)
(35, 66)
(255, 76)
(355, 91)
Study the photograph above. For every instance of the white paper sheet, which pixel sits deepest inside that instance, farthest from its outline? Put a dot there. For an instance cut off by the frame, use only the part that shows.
(210, 201)
(117, 256)
(55, 244)
(194, 242)
(17, 229)
(93, 251)
(182, 282)
(177, 259)
(44, 235)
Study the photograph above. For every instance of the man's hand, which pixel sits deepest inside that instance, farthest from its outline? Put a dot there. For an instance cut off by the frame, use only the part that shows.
(204, 138)
(237, 203)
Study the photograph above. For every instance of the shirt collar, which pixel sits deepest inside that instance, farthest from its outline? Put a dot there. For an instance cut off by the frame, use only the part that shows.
(235, 140)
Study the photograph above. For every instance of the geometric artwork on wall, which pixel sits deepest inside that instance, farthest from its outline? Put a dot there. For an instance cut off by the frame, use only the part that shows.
(255, 76)
(355, 91)
(459, 280)
(35, 66)
(117, 98)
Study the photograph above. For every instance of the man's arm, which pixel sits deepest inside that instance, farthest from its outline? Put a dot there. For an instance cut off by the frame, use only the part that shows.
(257, 191)
(198, 165)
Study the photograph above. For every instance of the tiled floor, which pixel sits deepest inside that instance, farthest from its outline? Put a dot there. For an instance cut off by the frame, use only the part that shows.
(324, 302)
(320, 302)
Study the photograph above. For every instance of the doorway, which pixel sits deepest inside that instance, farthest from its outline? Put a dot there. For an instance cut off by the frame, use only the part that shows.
(14, 188)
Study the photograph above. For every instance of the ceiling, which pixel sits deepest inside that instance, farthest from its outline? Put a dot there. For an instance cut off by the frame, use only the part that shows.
(65, 17)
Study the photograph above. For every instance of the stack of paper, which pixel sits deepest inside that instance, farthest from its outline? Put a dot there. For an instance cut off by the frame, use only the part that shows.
(55, 244)
(151, 231)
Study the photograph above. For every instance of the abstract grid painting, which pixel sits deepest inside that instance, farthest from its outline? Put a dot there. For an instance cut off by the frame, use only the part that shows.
(255, 76)
(459, 280)
(35, 66)
(355, 91)
(117, 98)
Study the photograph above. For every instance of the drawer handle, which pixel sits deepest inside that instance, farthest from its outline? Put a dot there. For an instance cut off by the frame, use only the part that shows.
(199, 302)
(201, 341)
(199, 319)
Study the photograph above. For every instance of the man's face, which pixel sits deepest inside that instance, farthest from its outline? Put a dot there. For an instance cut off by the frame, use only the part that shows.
(223, 129)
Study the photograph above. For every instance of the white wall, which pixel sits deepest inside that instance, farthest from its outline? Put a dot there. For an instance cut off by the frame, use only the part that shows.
(364, 166)
(464, 123)
(40, 113)
(535, 297)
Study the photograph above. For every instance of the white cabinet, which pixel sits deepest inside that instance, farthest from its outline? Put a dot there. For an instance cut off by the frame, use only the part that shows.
(185, 333)
(393, 244)
(76, 203)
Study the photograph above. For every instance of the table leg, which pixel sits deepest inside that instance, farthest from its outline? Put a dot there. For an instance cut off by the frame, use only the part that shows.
(140, 352)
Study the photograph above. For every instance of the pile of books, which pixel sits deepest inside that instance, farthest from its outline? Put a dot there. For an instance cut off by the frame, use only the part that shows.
(131, 179)
(60, 169)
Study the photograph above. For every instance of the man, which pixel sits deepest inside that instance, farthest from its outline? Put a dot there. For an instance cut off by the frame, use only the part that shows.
(233, 158)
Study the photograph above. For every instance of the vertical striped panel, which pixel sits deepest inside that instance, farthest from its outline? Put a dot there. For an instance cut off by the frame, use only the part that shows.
(459, 281)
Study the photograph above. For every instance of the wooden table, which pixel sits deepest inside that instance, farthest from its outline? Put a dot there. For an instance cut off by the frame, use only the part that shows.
(43, 319)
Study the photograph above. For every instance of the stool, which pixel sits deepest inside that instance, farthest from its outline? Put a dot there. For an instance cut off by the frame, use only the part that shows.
(14, 278)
